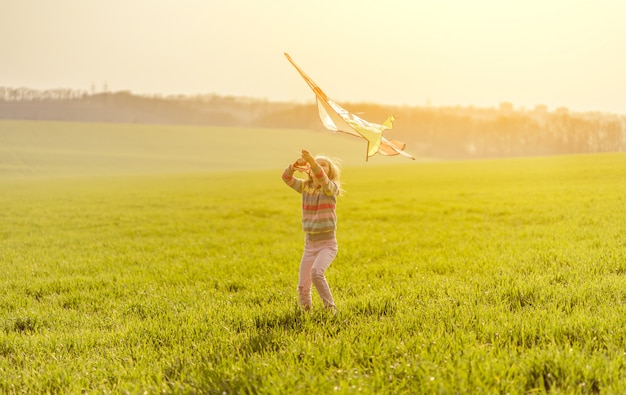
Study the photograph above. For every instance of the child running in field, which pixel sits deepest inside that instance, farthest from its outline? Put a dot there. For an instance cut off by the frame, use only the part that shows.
(319, 222)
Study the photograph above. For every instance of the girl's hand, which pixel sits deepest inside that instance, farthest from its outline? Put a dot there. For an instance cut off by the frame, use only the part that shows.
(306, 155)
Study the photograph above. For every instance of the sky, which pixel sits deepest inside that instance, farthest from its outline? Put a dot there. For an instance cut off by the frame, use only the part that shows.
(559, 53)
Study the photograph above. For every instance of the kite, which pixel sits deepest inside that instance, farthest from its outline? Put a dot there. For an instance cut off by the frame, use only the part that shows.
(337, 119)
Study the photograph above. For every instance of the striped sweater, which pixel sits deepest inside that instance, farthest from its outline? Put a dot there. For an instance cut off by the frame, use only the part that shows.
(318, 204)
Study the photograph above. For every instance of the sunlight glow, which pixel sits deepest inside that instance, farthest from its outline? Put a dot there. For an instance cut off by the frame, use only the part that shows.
(557, 53)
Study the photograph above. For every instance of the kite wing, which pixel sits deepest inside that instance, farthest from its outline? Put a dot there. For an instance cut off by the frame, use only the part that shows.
(337, 119)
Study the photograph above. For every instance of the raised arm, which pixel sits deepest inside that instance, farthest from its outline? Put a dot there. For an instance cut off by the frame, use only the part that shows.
(289, 179)
(329, 187)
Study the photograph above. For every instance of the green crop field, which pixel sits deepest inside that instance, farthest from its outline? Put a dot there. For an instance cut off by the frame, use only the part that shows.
(170, 274)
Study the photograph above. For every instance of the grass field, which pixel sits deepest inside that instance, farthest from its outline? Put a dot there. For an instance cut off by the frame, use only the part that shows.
(495, 276)
(62, 149)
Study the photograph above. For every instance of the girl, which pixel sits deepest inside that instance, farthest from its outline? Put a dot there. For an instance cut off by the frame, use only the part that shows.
(319, 222)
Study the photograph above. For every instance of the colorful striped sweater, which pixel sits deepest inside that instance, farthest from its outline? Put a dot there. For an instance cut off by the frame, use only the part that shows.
(318, 203)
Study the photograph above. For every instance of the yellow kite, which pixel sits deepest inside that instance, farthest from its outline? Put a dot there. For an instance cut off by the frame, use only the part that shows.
(337, 119)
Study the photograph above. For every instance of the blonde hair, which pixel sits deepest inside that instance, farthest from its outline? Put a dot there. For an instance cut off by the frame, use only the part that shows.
(334, 172)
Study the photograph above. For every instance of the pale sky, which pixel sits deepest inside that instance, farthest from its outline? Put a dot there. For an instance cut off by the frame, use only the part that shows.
(569, 53)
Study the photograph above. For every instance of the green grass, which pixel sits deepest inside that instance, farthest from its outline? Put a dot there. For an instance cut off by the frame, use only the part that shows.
(503, 276)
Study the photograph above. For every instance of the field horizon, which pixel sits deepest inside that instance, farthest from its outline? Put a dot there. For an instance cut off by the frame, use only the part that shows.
(69, 149)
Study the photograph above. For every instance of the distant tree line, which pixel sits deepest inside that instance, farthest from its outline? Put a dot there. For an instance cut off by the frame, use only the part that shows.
(458, 132)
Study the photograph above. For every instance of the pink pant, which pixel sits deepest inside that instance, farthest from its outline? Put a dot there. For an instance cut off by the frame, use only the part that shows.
(317, 257)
